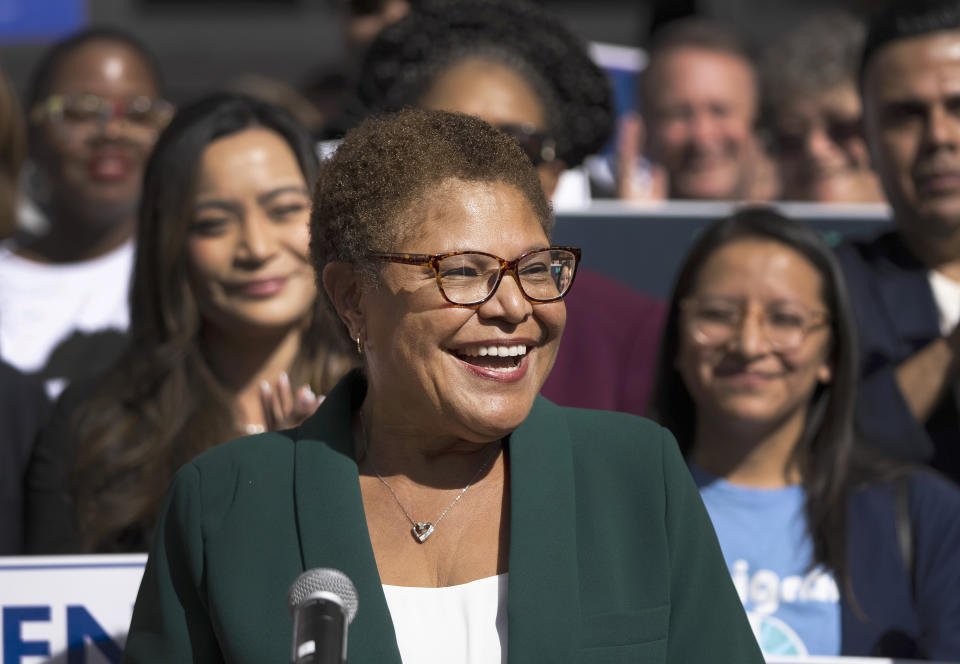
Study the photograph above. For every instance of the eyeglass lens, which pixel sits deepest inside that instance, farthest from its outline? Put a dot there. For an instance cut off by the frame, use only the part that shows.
(717, 321)
(544, 275)
(839, 130)
(90, 108)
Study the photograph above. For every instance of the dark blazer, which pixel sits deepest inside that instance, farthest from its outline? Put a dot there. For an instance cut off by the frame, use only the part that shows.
(23, 412)
(50, 519)
(612, 557)
(897, 316)
(907, 609)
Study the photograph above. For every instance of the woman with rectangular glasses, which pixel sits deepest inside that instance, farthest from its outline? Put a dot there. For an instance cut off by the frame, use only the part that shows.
(479, 522)
(516, 66)
(833, 550)
(95, 108)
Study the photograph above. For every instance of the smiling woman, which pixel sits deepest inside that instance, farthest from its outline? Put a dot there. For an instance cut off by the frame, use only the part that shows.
(834, 550)
(225, 324)
(94, 108)
(248, 247)
(461, 504)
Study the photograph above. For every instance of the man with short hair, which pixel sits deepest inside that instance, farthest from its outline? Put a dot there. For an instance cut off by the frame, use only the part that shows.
(905, 284)
(699, 100)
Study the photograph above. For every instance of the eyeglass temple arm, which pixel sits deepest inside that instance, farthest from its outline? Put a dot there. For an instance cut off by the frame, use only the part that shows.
(406, 259)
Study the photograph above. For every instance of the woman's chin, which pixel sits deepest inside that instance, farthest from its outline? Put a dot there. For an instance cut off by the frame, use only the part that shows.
(750, 410)
(491, 418)
(256, 324)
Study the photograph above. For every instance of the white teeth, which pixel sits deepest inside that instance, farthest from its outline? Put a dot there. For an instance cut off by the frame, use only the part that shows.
(494, 351)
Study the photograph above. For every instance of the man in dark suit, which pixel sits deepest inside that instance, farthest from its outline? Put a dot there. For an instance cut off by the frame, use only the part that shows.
(906, 283)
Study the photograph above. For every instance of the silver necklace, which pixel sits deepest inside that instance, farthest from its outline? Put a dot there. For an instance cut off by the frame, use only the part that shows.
(422, 529)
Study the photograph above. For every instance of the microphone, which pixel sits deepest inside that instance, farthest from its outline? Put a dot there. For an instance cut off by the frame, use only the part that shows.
(322, 603)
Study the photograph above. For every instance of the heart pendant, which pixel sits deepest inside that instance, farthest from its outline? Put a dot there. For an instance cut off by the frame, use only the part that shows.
(422, 531)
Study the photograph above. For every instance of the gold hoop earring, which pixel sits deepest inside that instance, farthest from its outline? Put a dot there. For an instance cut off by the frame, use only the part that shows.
(359, 346)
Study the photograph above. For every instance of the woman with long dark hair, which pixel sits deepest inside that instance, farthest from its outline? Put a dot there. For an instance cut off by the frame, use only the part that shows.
(832, 551)
(224, 321)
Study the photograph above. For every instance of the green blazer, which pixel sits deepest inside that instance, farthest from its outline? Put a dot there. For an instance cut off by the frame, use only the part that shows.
(612, 555)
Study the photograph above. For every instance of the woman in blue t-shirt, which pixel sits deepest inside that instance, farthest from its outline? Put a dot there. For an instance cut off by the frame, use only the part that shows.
(833, 550)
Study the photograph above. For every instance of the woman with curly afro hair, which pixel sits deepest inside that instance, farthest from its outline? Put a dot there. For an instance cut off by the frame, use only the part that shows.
(510, 63)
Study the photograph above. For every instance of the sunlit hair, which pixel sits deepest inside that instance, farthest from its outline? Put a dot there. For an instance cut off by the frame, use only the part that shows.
(825, 452)
(390, 162)
(692, 33)
(161, 405)
(819, 55)
(13, 149)
(407, 57)
(904, 19)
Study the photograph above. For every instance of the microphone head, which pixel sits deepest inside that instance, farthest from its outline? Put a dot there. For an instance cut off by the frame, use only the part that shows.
(323, 580)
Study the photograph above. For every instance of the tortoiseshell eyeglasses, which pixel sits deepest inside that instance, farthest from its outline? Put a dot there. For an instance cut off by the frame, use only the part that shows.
(470, 278)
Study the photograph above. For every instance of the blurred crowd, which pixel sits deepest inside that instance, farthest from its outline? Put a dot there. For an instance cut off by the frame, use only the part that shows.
(156, 292)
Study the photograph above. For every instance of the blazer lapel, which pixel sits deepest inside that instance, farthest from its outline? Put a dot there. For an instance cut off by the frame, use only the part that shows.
(543, 586)
(907, 297)
(332, 523)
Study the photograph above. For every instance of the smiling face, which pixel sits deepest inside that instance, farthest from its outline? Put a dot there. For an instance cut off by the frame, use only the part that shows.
(700, 114)
(248, 245)
(912, 113)
(97, 170)
(424, 356)
(822, 153)
(745, 379)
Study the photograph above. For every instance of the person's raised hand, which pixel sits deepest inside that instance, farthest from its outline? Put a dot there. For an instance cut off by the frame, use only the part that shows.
(637, 179)
(283, 407)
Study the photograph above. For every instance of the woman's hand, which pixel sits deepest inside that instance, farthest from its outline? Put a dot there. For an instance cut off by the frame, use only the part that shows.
(282, 409)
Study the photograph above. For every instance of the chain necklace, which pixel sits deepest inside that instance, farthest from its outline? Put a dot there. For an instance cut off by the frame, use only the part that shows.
(422, 529)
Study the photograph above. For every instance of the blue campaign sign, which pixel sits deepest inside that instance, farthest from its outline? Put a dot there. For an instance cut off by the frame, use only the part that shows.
(82, 628)
(40, 20)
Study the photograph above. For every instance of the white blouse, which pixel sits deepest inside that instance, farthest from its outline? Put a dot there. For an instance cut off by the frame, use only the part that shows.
(465, 624)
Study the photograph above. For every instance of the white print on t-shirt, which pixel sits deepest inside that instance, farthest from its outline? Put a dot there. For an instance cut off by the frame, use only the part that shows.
(63, 320)
(764, 590)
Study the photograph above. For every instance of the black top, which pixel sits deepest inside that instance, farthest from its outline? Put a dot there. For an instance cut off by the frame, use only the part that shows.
(23, 412)
(50, 523)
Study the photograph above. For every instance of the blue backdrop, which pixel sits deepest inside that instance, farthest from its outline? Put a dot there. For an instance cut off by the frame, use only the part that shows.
(40, 20)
